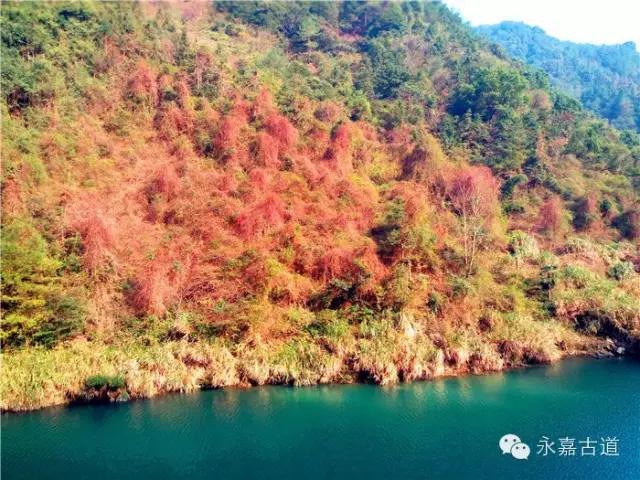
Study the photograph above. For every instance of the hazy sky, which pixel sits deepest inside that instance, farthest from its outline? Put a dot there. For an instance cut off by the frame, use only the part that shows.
(585, 21)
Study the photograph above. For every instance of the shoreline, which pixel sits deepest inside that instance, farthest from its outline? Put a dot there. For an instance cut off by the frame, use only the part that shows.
(347, 374)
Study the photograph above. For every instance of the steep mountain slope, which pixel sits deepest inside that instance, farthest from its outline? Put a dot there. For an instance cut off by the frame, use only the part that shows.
(605, 78)
(247, 193)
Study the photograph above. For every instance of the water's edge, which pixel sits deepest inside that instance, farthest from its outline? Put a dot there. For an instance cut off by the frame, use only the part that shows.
(597, 351)
(441, 429)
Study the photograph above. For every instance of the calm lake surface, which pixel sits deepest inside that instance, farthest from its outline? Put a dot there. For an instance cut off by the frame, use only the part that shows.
(442, 429)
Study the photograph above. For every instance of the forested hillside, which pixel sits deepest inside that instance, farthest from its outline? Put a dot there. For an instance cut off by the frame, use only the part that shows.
(200, 195)
(605, 78)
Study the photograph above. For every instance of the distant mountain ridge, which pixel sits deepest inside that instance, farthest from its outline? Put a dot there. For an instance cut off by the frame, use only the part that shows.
(605, 78)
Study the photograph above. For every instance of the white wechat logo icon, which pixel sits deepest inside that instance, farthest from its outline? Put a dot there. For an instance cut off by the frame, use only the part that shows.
(512, 444)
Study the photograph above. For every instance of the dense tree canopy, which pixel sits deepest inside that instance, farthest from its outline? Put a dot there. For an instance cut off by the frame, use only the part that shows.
(606, 78)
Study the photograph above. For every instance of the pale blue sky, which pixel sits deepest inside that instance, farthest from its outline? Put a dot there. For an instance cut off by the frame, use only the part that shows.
(584, 21)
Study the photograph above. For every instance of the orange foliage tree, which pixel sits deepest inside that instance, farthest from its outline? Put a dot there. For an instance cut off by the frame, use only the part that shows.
(550, 216)
(266, 214)
(473, 194)
(153, 289)
(142, 84)
(228, 142)
(339, 153)
(173, 121)
(282, 130)
(97, 239)
(268, 151)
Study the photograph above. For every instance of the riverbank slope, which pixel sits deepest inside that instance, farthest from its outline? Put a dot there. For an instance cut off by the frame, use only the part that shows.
(201, 195)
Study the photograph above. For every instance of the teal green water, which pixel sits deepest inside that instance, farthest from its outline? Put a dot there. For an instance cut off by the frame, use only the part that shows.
(442, 429)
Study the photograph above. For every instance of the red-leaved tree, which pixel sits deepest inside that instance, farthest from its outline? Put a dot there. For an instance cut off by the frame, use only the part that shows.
(267, 214)
(97, 239)
(473, 194)
(550, 216)
(268, 151)
(142, 84)
(339, 152)
(282, 130)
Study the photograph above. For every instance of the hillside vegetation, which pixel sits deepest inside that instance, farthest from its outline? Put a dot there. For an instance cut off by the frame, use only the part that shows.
(605, 78)
(243, 193)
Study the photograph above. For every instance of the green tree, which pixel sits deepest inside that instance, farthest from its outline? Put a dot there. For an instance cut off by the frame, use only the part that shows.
(36, 309)
(389, 71)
